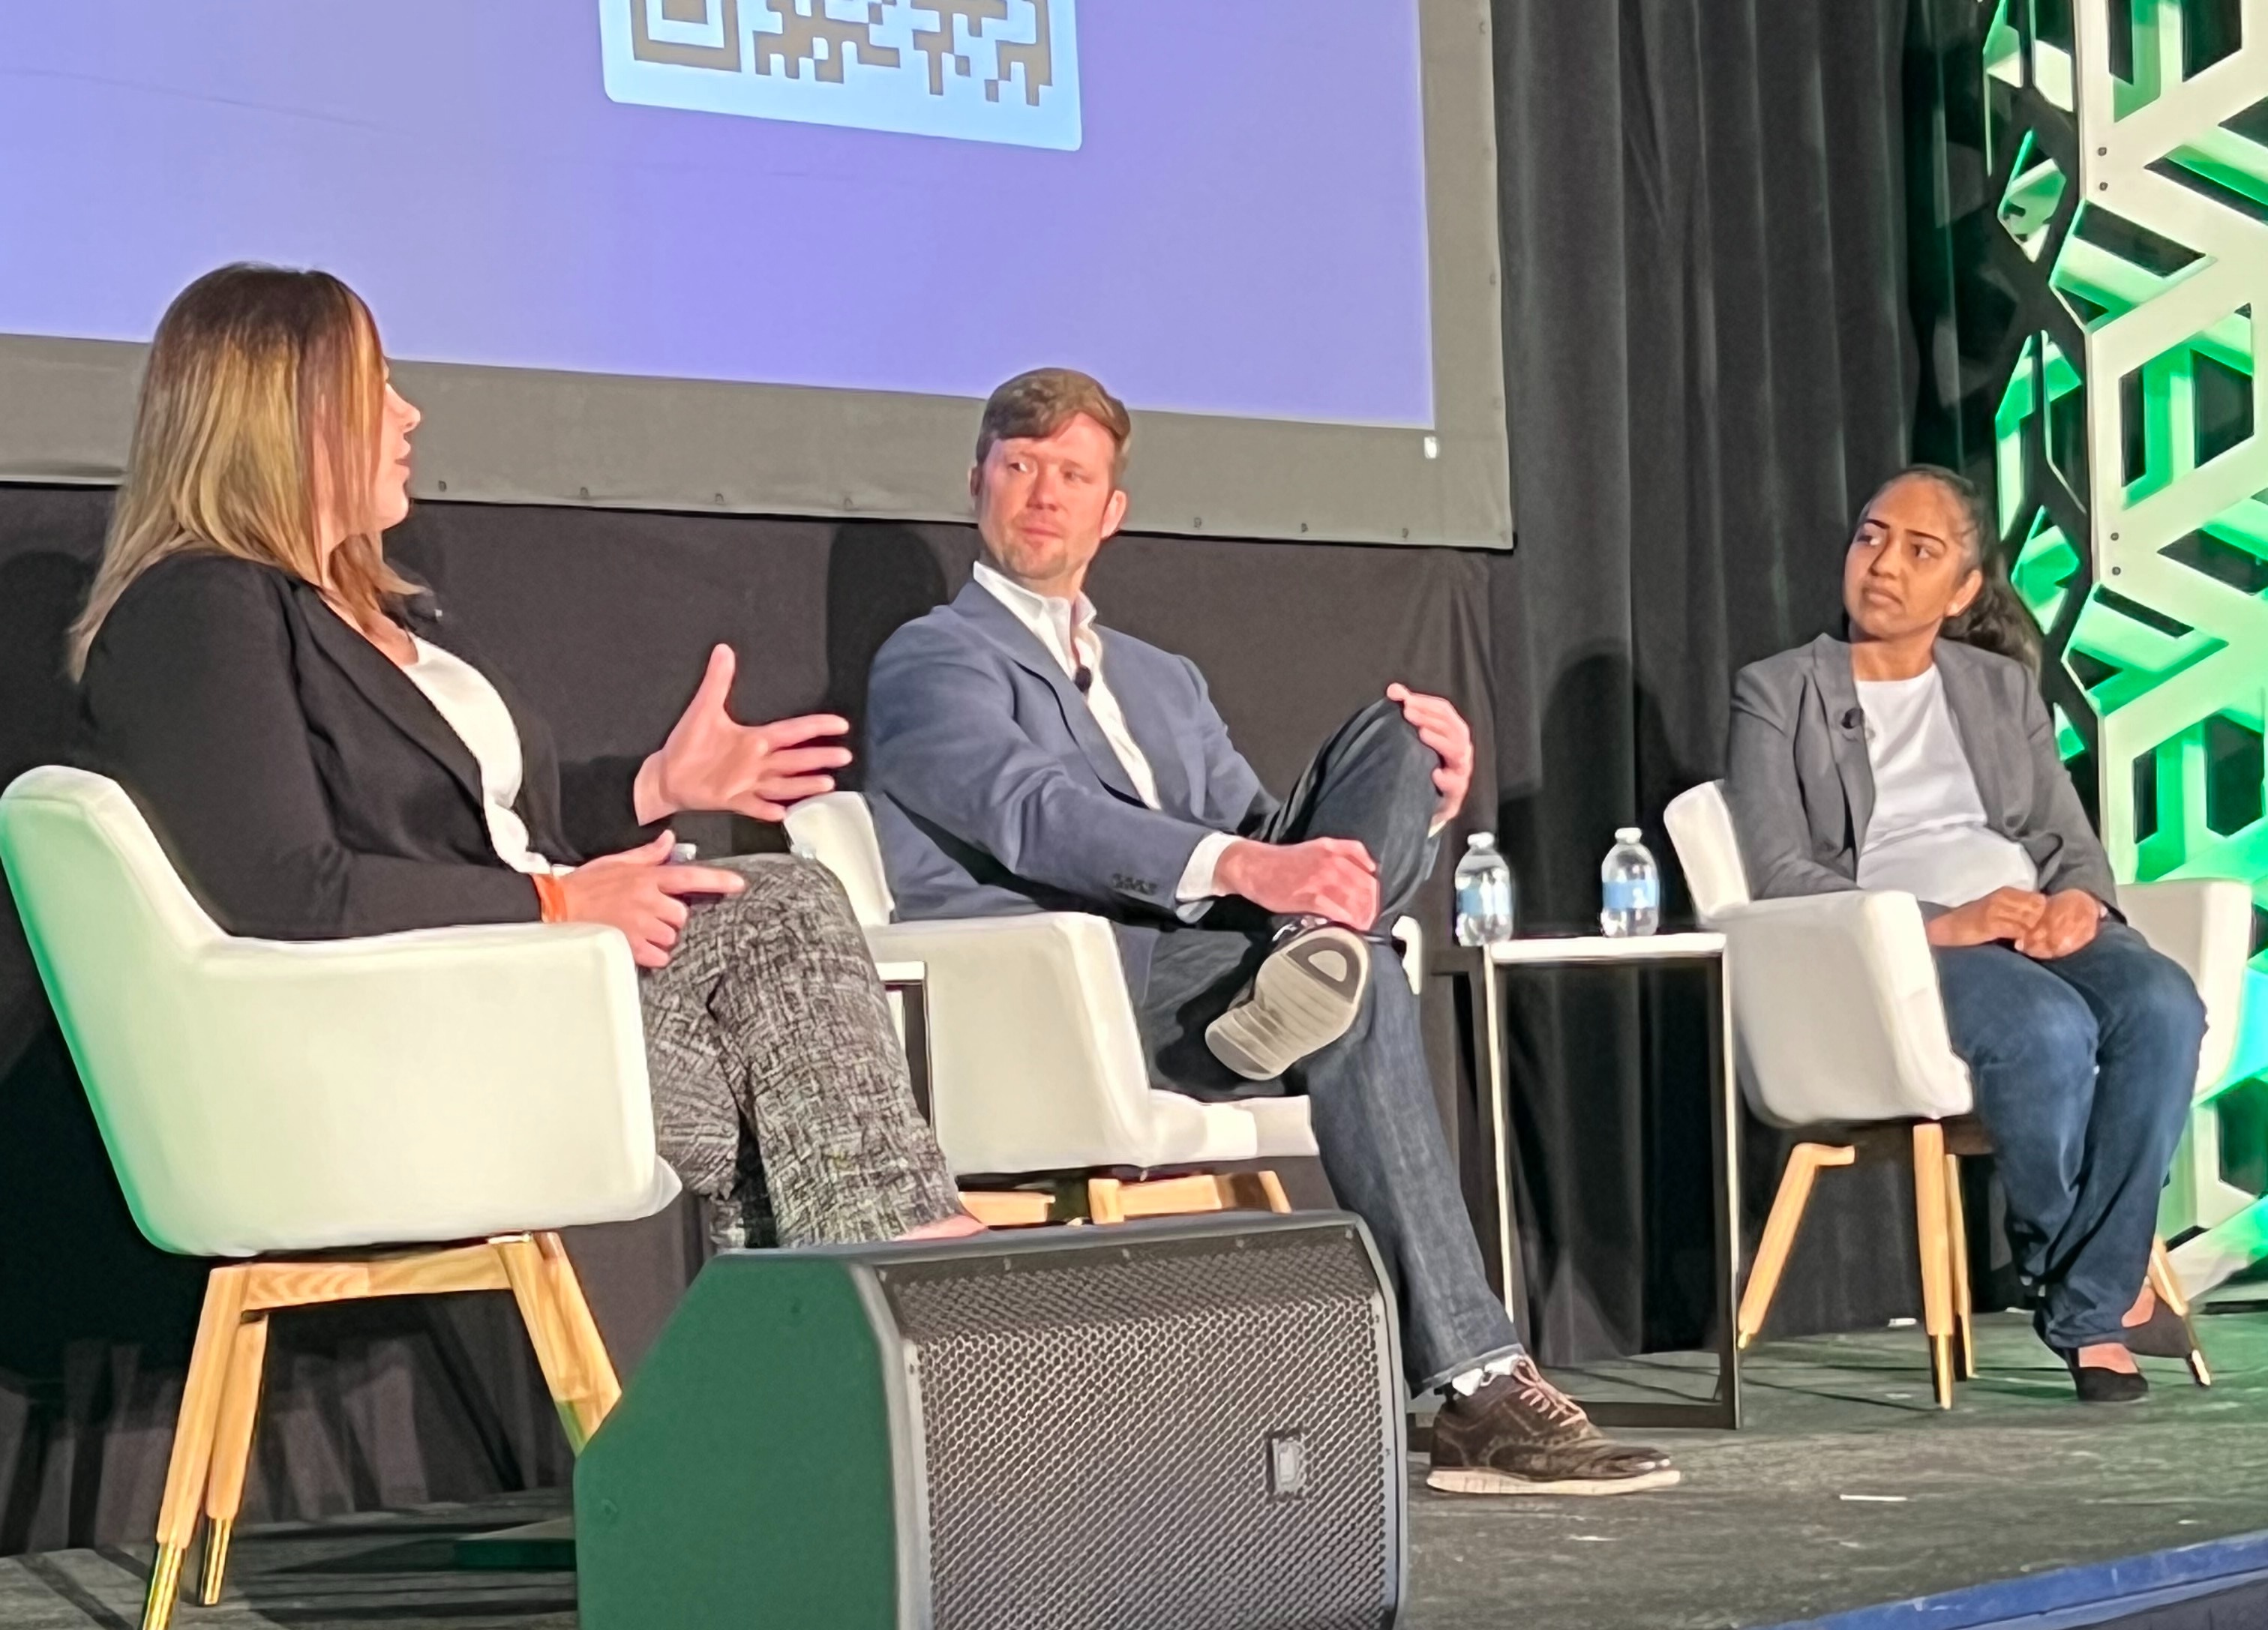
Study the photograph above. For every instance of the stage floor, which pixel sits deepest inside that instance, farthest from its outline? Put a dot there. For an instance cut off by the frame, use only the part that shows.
(1848, 1489)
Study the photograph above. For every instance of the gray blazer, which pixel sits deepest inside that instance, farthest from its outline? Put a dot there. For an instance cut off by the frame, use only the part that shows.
(1801, 789)
(994, 790)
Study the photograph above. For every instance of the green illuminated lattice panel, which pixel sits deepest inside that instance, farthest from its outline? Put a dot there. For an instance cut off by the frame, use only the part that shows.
(2129, 154)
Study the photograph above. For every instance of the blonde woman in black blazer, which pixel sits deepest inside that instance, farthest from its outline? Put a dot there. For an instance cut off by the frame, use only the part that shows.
(323, 756)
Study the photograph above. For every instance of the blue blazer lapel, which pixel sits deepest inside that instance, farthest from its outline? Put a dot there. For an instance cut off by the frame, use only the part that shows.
(1167, 751)
(1022, 647)
(1839, 694)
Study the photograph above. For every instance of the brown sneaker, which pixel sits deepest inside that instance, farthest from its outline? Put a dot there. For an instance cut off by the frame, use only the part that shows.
(1519, 1434)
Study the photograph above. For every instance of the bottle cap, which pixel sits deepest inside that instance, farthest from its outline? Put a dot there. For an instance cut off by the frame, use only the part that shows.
(1627, 834)
(1480, 841)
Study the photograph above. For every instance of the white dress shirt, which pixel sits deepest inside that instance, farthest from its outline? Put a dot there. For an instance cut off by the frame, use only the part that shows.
(470, 706)
(1066, 628)
(1928, 834)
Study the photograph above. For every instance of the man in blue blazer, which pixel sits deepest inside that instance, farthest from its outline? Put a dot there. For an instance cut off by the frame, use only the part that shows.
(1021, 758)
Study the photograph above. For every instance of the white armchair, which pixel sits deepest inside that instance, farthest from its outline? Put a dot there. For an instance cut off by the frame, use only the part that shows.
(256, 1099)
(1839, 1023)
(1038, 1067)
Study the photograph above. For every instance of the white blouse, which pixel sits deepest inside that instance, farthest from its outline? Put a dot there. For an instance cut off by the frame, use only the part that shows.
(1928, 834)
(462, 695)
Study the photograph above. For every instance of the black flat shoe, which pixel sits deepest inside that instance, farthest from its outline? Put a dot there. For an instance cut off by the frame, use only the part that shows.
(2167, 1334)
(2094, 1384)
(2097, 1385)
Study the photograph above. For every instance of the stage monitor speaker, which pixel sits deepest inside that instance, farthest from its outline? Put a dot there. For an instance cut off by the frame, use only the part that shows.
(1193, 1425)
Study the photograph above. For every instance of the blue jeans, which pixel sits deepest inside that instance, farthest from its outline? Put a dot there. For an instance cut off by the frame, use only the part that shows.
(2084, 1069)
(1370, 1092)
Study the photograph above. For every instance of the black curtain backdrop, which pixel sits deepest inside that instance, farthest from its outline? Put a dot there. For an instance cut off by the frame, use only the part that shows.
(1710, 362)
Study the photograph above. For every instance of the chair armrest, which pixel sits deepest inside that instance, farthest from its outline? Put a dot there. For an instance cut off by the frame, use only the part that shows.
(1039, 1065)
(1408, 935)
(1836, 1012)
(2205, 925)
(441, 1084)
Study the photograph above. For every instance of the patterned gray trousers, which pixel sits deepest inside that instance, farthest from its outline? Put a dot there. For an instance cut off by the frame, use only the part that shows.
(780, 1091)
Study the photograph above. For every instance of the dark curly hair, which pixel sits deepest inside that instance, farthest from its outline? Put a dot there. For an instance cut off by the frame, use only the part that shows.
(1996, 619)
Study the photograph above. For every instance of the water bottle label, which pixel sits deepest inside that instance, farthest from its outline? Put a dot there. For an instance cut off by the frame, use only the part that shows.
(1482, 900)
(1634, 894)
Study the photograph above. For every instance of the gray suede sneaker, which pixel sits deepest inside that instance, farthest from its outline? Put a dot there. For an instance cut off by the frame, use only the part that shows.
(1304, 998)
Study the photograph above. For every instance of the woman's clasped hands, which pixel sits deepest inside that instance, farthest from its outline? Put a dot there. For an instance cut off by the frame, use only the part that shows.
(2043, 927)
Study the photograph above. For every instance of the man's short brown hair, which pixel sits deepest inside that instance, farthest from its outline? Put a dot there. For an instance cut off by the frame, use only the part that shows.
(1040, 403)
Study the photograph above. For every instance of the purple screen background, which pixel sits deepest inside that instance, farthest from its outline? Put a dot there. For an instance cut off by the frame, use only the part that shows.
(1242, 231)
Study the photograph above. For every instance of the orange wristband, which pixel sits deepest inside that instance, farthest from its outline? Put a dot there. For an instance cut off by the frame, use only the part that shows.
(550, 896)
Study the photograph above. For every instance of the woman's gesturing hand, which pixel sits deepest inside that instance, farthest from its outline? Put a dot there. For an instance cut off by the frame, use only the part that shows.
(637, 892)
(712, 762)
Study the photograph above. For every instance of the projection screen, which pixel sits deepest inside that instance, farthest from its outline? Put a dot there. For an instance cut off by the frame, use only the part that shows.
(768, 255)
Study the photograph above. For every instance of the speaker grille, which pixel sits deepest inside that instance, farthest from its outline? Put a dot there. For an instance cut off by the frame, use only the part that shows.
(1182, 1433)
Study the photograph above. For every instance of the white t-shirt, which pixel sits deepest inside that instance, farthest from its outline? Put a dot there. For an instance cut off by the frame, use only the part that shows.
(1928, 836)
(462, 695)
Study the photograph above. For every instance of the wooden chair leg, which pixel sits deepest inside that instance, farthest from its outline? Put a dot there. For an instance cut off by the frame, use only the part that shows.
(1804, 1163)
(1965, 1312)
(191, 1459)
(2167, 1285)
(232, 1449)
(1009, 1207)
(522, 1260)
(2164, 1280)
(603, 1390)
(1113, 1200)
(1931, 1217)
(1105, 1201)
(1238, 1191)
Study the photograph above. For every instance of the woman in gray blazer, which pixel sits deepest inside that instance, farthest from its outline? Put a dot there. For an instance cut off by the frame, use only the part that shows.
(1919, 756)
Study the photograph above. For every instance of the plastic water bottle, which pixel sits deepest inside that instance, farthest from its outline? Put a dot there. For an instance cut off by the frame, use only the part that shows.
(1631, 886)
(1484, 904)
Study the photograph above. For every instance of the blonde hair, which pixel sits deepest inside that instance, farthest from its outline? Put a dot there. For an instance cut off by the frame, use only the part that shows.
(260, 407)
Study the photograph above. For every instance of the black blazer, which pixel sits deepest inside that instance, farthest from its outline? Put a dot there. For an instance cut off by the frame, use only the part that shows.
(302, 784)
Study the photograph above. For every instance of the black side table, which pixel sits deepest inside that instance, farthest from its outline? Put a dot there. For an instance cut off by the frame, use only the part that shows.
(1485, 969)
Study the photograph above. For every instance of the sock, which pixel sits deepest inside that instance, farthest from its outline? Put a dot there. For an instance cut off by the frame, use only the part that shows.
(1465, 1383)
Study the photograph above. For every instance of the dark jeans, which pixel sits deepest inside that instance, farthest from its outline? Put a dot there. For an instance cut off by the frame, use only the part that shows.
(1371, 1094)
(2084, 1069)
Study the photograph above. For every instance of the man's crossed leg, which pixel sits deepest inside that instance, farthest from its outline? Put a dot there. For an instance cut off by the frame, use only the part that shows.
(1506, 1429)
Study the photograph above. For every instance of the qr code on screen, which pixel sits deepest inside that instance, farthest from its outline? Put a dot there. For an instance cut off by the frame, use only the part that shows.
(978, 70)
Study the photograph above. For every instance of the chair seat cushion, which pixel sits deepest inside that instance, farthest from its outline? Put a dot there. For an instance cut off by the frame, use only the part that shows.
(1187, 1131)
(1194, 1132)
(1285, 1127)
